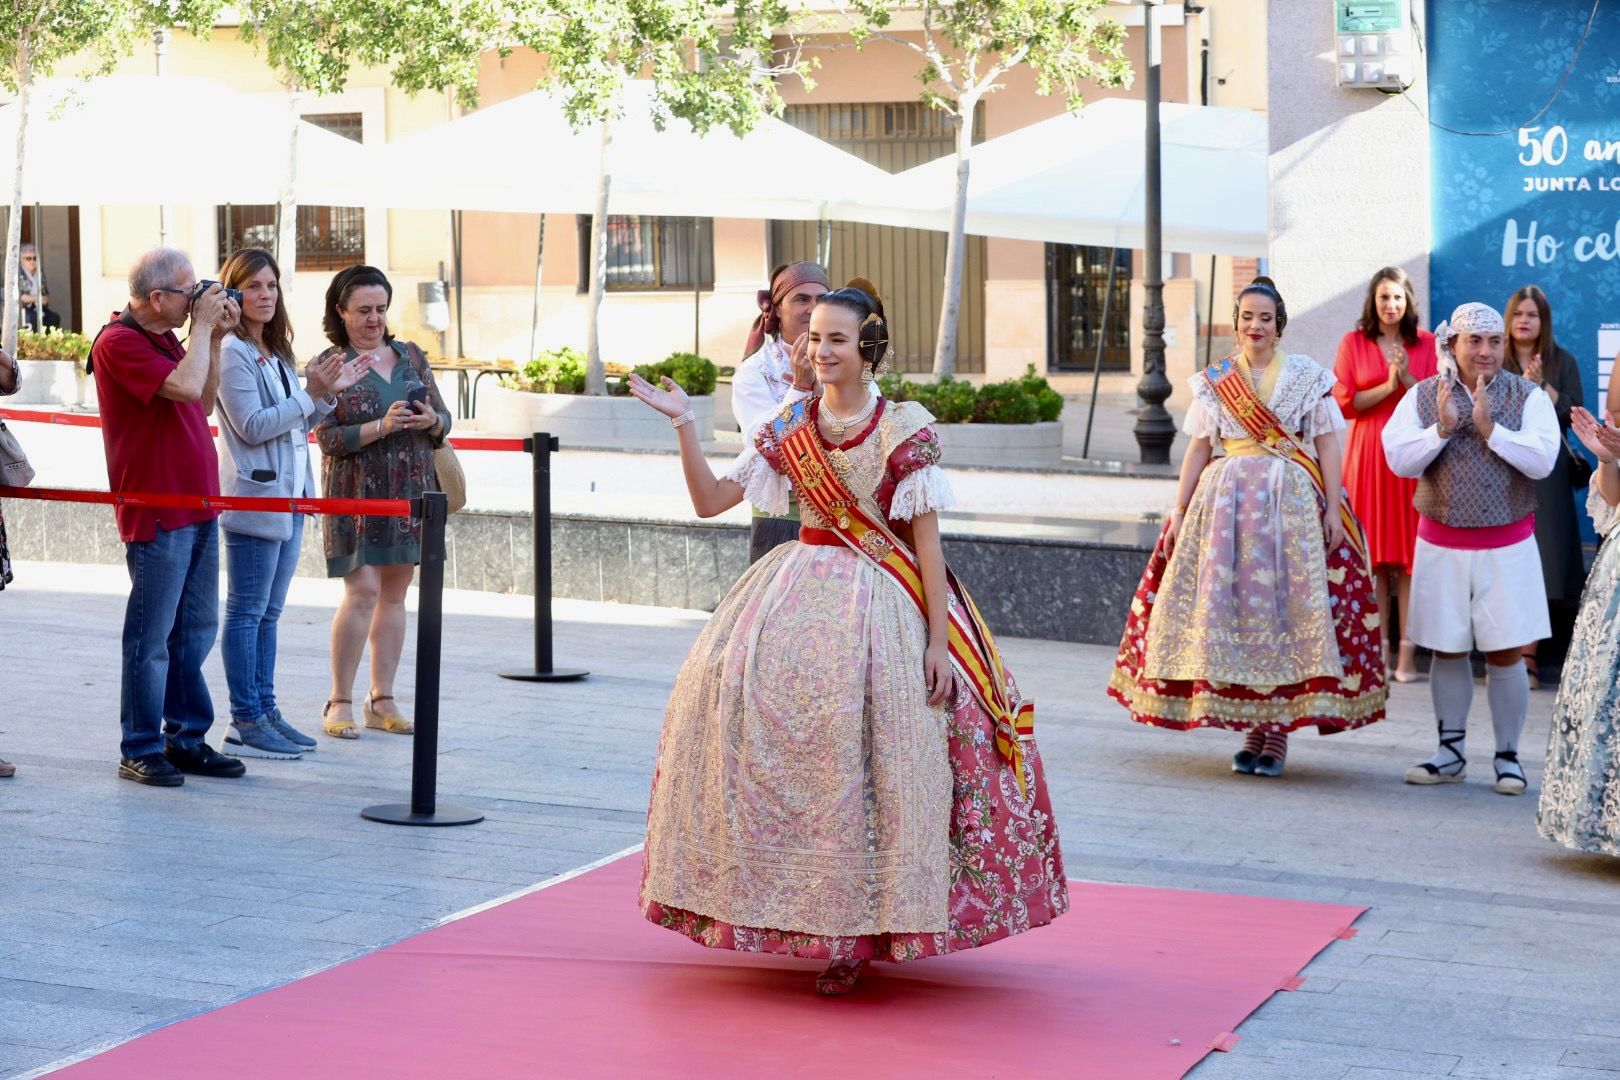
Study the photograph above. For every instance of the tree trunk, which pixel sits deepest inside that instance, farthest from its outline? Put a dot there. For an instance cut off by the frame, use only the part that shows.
(950, 312)
(287, 209)
(13, 313)
(595, 376)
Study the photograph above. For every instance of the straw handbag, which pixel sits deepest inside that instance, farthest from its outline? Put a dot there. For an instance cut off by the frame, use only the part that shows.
(452, 481)
(14, 468)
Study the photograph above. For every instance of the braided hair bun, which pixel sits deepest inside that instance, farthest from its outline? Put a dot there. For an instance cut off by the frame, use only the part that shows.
(1265, 287)
(872, 337)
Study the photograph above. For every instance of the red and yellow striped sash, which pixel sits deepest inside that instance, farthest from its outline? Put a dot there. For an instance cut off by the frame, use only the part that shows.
(1238, 396)
(816, 476)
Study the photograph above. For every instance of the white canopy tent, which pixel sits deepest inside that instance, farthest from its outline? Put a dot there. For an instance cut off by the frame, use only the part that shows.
(1078, 179)
(87, 146)
(522, 156)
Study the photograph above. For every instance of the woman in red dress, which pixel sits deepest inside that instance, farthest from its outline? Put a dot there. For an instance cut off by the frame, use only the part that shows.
(1383, 357)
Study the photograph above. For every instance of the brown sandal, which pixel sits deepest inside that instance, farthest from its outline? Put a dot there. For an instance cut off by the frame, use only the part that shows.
(7, 769)
(338, 729)
(391, 722)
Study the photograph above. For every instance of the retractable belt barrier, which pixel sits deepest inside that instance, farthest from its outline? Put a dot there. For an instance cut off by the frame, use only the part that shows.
(92, 420)
(432, 509)
(540, 446)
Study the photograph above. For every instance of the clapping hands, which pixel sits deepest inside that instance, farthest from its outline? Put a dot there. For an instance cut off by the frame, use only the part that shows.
(1598, 436)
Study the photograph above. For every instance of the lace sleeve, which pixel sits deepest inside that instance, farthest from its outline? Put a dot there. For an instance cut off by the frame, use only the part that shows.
(1603, 515)
(762, 485)
(922, 492)
(1199, 423)
(1323, 418)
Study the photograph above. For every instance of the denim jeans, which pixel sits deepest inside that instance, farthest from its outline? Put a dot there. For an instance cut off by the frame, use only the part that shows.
(258, 572)
(169, 627)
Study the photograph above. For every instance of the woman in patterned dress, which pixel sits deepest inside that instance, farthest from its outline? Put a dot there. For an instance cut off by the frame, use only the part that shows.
(1383, 357)
(10, 380)
(375, 445)
(1580, 788)
(1256, 613)
(827, 785)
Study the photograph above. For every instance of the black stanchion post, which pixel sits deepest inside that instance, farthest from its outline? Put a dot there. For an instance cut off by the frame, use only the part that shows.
(423, 809)
(540, 447)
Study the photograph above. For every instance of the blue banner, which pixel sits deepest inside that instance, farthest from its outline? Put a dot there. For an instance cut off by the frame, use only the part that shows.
(1527, 186)
(1524, 99)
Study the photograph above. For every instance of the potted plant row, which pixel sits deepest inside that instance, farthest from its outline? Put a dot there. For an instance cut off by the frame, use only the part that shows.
(1005, 423)
(51, 365)
(548, 394)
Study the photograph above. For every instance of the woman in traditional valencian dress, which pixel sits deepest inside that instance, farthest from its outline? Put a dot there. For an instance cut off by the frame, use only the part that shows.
(1256, 613)
(1580, 788)
(846, 771)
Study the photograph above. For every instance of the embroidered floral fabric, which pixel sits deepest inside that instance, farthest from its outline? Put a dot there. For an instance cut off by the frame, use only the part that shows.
(807, 799)
(1580, 787)
(1250, 624)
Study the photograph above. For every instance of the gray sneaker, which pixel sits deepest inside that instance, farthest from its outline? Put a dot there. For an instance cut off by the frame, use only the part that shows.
(290, 733)
(258, 739)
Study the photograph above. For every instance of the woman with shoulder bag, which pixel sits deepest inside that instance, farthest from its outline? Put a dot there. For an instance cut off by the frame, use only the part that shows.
(378, 443)
(264, 423)
(10, 379)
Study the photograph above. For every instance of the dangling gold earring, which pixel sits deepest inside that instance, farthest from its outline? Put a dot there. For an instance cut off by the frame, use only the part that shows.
(868, 374)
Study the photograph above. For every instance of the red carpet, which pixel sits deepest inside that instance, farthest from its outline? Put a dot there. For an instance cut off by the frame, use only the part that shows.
(569, 982)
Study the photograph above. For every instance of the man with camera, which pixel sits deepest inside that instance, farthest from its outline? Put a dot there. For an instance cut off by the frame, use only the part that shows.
(155, 396)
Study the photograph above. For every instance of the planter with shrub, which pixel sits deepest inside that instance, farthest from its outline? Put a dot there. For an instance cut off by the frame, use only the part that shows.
(51, 364)
(1006, 423)
(548, 394)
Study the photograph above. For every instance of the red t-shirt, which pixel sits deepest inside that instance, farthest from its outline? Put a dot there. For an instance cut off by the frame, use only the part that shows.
(154, 444)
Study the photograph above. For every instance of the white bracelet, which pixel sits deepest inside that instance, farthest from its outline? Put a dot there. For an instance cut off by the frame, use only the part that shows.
(682, 420)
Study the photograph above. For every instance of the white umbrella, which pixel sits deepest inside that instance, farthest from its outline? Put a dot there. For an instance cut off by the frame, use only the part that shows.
(1078, 179)
(522, 156)
(85, 146)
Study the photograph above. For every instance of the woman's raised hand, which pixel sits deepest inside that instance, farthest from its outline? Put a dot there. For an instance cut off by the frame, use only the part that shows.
(671, 400)
(1602, 439)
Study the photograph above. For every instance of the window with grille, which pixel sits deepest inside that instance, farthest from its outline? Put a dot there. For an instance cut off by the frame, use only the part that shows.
(329, 237)
(646, 253)
(1088, 308)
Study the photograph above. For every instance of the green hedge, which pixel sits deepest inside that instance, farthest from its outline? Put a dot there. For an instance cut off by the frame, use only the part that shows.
(562, 371)
(1025, 400)
(692, 373)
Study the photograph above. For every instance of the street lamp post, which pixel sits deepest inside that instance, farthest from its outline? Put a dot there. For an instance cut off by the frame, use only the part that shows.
(1155, 431)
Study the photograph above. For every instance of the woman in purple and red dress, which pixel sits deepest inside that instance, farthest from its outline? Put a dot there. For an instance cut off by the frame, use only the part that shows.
(1255, 613)
(1378, 362)
(829, 783)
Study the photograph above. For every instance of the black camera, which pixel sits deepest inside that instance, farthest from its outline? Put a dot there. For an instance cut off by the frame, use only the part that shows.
(203, 286)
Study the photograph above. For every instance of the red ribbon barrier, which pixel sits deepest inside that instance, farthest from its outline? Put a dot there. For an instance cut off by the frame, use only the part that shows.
(93, 420)
(163, 501)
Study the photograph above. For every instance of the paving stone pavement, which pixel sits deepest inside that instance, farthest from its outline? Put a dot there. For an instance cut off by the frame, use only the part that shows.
(1485, 953)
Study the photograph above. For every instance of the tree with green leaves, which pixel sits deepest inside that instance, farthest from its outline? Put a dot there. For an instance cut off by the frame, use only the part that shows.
(967, 47)
(713, 63)
(313, 45)
(36, 37)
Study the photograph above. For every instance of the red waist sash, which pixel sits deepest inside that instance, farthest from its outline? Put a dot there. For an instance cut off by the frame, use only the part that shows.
(1487, 538)
(812, 537)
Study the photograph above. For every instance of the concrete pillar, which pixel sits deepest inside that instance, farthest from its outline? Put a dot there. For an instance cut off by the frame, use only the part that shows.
(1349, 175)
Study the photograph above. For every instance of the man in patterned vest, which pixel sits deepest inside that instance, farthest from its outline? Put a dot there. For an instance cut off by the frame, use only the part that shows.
(776, 373)
(1476, 438)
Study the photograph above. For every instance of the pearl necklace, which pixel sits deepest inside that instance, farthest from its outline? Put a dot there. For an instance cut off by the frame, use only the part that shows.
(839, 425)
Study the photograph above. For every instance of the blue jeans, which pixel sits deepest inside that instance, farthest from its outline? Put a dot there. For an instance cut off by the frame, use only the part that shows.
(258, 572)
(169, 627)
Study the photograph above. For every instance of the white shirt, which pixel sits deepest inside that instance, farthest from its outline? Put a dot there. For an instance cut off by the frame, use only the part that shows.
(300, 434)
(1533, 449)
(762, 385)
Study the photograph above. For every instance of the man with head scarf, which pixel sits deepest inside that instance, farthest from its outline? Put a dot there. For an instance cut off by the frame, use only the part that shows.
(1476, 438)
(777, 372)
